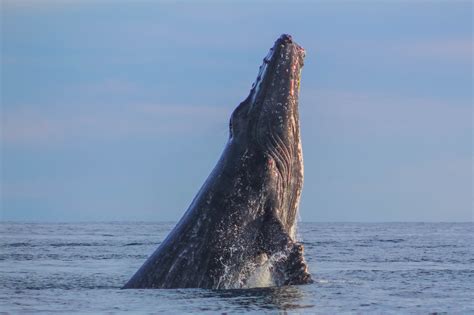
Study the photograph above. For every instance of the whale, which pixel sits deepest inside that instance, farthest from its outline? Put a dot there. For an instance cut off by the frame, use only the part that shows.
(240, 229)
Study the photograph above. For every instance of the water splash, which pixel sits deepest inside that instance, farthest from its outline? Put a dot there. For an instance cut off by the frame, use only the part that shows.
(254, 274)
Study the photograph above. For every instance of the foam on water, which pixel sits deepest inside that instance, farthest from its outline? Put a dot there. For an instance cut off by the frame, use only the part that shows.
(261, 275)
(254, 274)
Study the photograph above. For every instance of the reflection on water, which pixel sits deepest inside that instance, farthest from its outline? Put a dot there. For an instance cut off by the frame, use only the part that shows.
(288, 298)
(275, 298)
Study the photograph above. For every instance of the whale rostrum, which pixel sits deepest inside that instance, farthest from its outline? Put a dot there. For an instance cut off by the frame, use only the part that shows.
(240, 229)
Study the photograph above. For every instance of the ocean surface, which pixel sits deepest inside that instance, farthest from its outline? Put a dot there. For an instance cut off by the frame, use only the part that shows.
(357, 268)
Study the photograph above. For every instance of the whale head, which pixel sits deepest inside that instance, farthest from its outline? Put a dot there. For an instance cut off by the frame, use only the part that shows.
(267, 124)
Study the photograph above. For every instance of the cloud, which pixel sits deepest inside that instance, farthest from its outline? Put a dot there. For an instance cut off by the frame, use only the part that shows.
(375, 114)
(32, 126)
(452, 50)
(455, 50)
(341, 112)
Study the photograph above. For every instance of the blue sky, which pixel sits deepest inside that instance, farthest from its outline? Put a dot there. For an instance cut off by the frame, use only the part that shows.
(119, 111)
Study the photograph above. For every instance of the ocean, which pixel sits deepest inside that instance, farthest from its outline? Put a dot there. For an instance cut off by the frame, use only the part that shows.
(385, 268)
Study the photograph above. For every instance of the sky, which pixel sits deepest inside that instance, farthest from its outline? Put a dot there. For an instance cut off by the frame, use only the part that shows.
(114, 111)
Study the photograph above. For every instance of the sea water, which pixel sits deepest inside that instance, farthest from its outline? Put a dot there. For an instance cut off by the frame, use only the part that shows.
(356, 267)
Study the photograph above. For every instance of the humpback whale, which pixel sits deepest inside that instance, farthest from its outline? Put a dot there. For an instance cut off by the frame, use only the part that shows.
(240, 229)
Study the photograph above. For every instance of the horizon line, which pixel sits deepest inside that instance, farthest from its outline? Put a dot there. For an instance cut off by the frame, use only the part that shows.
(175, 222)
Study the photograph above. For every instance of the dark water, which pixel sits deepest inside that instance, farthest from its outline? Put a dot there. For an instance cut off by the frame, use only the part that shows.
(381, 268)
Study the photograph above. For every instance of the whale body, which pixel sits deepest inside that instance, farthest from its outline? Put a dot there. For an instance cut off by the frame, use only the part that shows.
(240, 229)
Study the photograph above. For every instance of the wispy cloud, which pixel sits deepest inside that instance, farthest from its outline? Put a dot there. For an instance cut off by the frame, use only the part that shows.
(375, 114)
(439, 49)
(33, 126)
(404, 51)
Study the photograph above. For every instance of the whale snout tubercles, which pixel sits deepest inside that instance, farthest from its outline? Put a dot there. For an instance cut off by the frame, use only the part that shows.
(285, 40)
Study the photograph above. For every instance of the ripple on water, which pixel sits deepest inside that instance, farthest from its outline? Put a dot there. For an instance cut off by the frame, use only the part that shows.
(381, 268)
